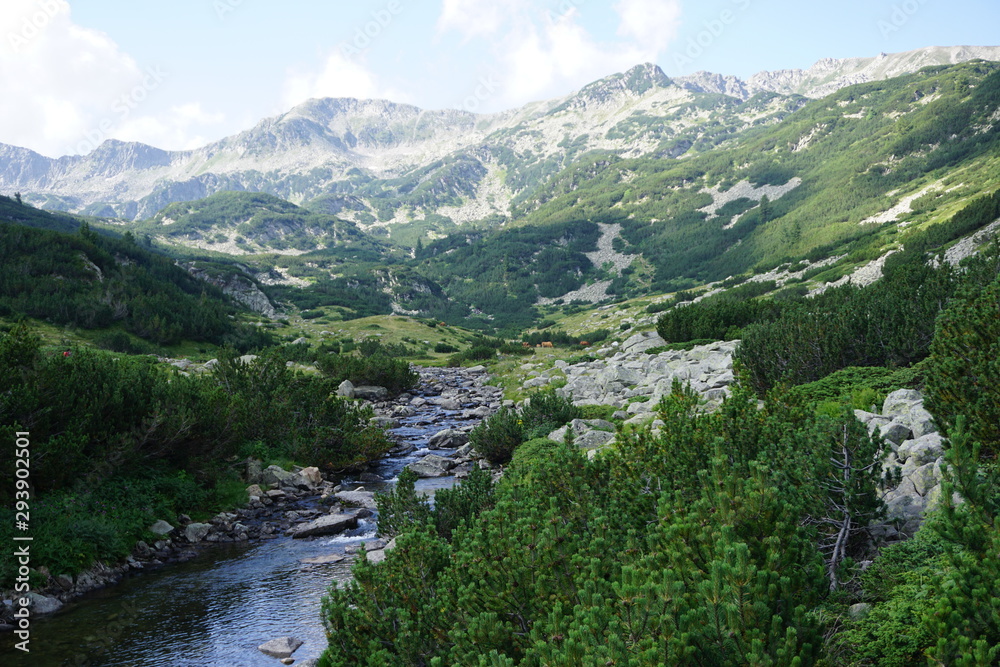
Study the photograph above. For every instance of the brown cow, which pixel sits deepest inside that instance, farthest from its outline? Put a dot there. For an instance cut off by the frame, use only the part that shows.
(546, 343)
(584, 343)
(525, 344)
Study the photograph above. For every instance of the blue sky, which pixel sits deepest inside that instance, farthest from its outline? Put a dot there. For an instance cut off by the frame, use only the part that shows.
(182, 73)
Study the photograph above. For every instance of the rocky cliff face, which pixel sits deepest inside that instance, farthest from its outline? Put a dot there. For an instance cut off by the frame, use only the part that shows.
(241, 288)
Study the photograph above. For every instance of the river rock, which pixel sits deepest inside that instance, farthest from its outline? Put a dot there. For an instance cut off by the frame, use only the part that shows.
(161, 527)
(378, 555)
(309, 478)
(281, 648)
(254, 491)
(447, 439)
(278, 475)
(371, 393)
(330, 524)
(254, 472)
(358, 498)
(367, 545)
(452, 404)
(346, 389)
(196, 532)
(432, 465)
(323, 560)
(40, 604)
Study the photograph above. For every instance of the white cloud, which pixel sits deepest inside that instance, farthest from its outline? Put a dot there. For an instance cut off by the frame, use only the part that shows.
(650, 24)
(75, 88)
(340, 76)
(476, 17)
(546, 52)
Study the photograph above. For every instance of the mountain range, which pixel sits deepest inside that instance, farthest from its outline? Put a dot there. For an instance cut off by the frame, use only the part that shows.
(635, 185)
(381, 164)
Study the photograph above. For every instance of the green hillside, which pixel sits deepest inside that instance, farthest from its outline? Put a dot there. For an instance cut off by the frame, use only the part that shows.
(131, 298)
(240, 223)
(857, 153)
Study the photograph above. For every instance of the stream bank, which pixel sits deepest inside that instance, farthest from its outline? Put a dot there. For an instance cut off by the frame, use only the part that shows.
(230, 594)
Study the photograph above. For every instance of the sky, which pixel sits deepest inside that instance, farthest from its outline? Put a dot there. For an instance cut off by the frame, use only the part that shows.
(183, 73)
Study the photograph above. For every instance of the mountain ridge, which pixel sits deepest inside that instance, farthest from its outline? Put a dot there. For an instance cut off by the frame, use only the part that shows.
(386, 164)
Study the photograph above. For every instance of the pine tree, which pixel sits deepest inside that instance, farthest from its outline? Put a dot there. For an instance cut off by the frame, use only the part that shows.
(966, 620)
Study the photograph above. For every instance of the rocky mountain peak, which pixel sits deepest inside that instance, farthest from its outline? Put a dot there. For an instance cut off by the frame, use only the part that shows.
(710, 82)
(636, 82)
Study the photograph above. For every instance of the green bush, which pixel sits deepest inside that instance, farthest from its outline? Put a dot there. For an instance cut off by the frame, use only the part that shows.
(605, 412)
(401, 508)
(964, 367)
(133, 440)
(546, 412)
(378, 370)
(444, 348)
(119, 341)
(497, 437)
(463, 502)
(532, 453)
(475, 353)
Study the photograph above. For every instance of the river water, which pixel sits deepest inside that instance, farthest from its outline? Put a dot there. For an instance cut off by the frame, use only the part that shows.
(217, 608)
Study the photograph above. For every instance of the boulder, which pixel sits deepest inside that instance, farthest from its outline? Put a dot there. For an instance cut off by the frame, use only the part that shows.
(378, 555)
(593, 439)
(895, 432)
(447, 439)
(196, 532)
(323, 560)
(864, 417)
(447, 403)
(346, 389)
(357, 498)
(432, 466)
(277, 475)
(254, 472)
(41, 604)
(900, 402)
(371, 393)
(331, 524)
(254, 491)
(641, 342)
(921, 422)
(925, 478)
(922, 450)
(368, 545)
(161, 527)
(309, 478)
(281, 648)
